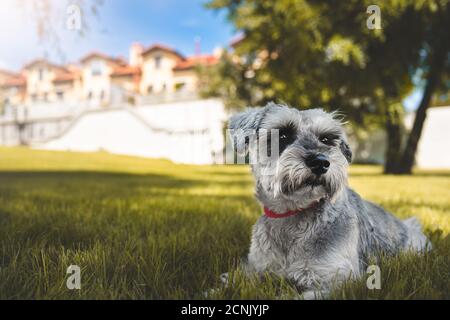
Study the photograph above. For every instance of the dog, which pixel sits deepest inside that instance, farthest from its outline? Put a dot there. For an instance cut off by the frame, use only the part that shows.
(315, 231)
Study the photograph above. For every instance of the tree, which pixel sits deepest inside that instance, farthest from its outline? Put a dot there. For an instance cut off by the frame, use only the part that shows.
(435, 64)
(321, 53)
(228, 80)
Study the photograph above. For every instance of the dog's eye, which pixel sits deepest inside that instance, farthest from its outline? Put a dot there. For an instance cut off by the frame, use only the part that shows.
(286, 137)
(328, 140)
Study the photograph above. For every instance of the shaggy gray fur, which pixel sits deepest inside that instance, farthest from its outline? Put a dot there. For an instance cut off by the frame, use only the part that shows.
(324, 245)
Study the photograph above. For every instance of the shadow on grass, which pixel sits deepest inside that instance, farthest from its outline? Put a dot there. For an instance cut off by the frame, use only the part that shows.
(145, 179)
(104, 196)
(420, 174)
(153, 179)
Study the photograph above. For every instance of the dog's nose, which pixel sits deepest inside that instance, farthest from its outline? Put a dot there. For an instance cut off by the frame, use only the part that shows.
(318, 163)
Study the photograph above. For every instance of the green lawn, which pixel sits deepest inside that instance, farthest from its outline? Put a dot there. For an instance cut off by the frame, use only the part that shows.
(150, 229)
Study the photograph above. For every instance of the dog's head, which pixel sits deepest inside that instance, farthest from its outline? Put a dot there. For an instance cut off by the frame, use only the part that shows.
(307, 154)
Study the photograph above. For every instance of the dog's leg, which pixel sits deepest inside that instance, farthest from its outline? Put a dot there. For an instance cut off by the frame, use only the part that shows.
(224, 278)
(417, 241)
(228, 278)
(243, 268)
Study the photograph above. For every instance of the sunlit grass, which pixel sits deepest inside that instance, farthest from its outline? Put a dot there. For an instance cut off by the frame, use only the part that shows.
(150, 229)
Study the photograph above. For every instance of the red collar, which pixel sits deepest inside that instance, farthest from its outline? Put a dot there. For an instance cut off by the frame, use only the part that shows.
(271, 214)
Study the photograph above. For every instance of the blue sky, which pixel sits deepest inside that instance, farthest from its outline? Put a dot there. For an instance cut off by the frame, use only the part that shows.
(121, 22)
(173, 22)
(412, 101)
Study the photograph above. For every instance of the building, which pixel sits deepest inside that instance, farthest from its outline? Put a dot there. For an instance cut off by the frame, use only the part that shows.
(102, 80)
(164, 70)
(12, 88)
(144, 106)
(102, 74)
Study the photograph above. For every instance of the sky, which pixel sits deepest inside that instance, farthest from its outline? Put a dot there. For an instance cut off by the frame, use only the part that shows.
(412, 101)
(176, 23)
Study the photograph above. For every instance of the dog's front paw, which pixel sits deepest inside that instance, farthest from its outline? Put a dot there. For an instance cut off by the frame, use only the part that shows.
(309, 295)
(314, 295)
(212, 293)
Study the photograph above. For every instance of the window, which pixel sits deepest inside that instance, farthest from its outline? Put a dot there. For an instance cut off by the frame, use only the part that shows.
(150, 89)
(164, 87)
(34, 97)
(180, 86)
(90, 95)
(158, 62)
(96, 68)
(45, 96)
(102, 95)
(41, 74)
(60, 95)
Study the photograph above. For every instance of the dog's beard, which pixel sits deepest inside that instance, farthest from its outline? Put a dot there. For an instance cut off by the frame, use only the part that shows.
(294, 186)
(301, 187)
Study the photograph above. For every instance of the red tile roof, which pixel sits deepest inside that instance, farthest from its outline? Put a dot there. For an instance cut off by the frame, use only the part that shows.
(103, 56)
(44, 62)
(162, 47)
(125, 71)
(15, 81)
(65, 77)
(7, 73)
(237, 39)
(191, 62)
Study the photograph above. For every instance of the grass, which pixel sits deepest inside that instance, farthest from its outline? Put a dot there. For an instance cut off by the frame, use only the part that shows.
(150, 229)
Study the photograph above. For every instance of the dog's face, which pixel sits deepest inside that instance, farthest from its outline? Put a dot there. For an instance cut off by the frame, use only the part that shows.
(312, 159)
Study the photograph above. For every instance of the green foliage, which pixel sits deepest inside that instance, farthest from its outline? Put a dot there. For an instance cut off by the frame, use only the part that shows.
(320, 53)
(227, 80)
(150, 229)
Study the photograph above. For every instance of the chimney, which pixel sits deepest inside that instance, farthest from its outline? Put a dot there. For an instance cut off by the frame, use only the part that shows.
(218, 52)
(198, 45)
(135, 58)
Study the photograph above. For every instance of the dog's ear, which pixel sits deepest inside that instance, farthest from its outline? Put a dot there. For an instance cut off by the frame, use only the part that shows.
(343, 145)
(346, 151)
(244, 126)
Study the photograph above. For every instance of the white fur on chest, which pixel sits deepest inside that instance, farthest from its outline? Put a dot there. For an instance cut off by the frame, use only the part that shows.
(289, 253)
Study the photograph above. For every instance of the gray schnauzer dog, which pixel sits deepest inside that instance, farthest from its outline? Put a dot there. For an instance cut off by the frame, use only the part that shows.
(316, 231)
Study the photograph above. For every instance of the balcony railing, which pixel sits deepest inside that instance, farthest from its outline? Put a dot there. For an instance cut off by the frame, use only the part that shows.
(166, 97)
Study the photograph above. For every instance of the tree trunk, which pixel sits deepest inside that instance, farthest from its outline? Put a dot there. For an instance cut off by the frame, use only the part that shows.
(433, 78)
(394, 139)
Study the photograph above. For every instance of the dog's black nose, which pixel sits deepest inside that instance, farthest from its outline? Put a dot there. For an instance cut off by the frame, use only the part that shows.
(318, 163)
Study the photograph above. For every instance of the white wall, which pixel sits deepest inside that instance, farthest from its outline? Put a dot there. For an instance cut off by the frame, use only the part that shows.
(433, 150)
(184, 132)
